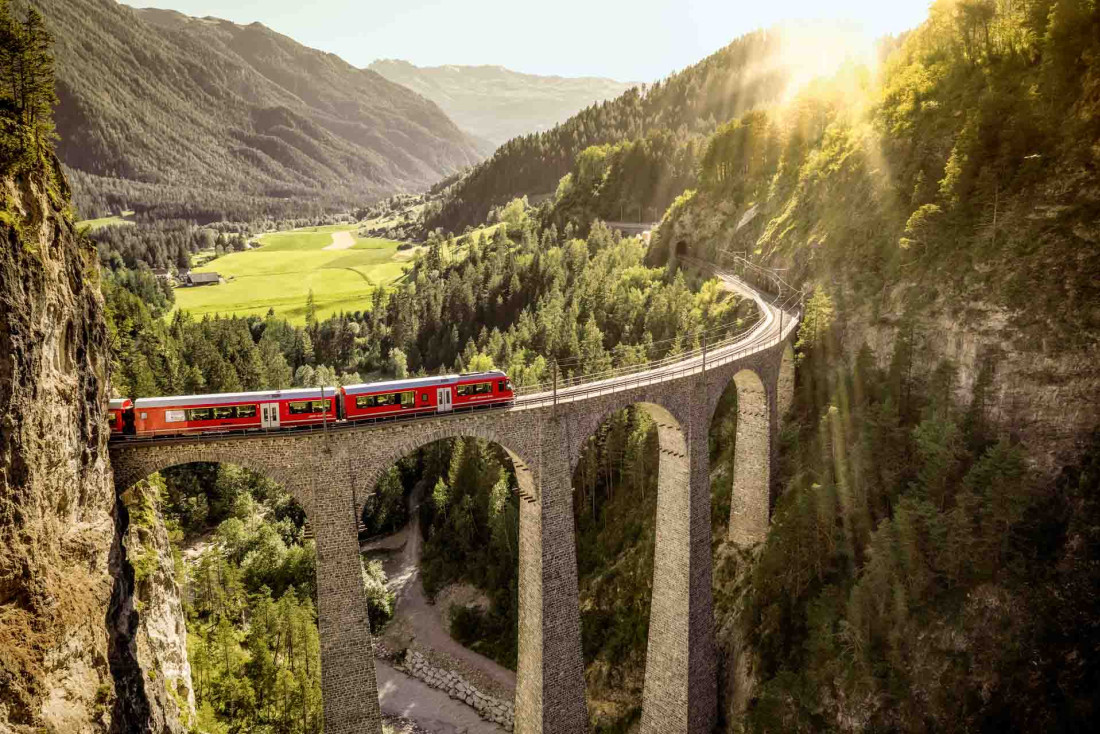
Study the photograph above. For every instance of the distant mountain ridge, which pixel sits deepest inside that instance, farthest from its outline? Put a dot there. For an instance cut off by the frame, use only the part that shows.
(745, 75)
(497, 104)
(205, 118)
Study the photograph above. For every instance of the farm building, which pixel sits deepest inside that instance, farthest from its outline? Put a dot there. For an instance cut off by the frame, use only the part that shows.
(203, 279)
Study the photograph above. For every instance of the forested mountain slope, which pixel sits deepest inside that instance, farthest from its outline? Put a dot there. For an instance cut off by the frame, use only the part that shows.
(497, 104)
(208, 119)
(956, 186)
(932, 559)
(730, 82)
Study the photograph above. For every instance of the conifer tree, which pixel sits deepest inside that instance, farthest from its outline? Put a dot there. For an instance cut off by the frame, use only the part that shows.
(27, 93)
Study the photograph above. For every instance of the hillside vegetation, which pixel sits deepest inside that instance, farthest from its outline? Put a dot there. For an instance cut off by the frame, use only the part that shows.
(730, 82)
(957, 182)
(935, 504)
(936, 512)
(496, 104)
(208, 120)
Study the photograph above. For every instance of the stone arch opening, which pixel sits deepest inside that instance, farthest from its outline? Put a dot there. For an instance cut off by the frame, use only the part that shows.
(739, 464)
(220, 566)
(631, 495)
(442, 522)
(741, 441)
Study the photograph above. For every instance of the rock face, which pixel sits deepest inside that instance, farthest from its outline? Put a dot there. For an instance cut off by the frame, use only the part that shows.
(1040, 394)
(160, 639)
(76, 654)
(56, 495)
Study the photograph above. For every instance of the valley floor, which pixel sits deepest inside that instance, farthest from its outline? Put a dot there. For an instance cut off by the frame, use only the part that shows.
(334, 263)
(428, 708)
(420, 625)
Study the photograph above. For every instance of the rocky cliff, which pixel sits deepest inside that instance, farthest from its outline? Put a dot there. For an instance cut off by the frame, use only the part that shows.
(160, 639)
(88, 642)
(56, 497)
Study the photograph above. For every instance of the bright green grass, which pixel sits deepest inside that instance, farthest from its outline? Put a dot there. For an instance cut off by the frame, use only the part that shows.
(281, 272)
(94, 224)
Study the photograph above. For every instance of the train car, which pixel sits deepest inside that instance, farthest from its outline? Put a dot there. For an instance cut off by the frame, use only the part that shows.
(116, 415)
(271, 409)
(422, 395)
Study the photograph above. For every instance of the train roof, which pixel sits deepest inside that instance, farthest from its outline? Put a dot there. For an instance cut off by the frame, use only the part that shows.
(119, 404)
(230, 398)
(418, 382)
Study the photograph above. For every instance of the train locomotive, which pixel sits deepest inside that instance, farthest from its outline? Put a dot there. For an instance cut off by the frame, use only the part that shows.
(269, 410)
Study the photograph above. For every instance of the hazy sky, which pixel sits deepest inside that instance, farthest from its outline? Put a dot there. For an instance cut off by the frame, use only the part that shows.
(629, 40)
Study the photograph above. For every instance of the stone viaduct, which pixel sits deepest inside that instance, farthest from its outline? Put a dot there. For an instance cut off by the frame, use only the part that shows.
(331, 472)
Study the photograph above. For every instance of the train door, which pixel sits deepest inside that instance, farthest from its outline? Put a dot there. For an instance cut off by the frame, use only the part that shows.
(269, 415)
(443, 400)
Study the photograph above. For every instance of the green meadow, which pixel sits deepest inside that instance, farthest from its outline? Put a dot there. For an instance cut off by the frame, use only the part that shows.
(281, 272)
(126, 217)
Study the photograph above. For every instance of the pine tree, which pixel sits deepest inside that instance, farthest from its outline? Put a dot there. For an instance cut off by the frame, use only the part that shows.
(311, 312)
(39, 96)
(27, 93)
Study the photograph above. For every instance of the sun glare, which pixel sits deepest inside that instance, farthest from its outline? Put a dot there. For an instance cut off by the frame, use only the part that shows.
(814, 50)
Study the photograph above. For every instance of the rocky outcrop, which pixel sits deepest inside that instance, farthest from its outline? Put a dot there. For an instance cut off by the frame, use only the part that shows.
(56, 495)
(1041, 394)
(160, 639)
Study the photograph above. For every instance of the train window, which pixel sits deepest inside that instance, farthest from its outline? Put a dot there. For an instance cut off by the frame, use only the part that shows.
(424, 397)
(306, 406)
(404, 399)
(478, 388)
(199, 414)
(246, 411)
(223, 413)
(502, 385)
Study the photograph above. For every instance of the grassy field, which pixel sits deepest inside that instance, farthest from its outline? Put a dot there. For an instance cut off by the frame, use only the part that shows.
(94, 224)
(281, 272)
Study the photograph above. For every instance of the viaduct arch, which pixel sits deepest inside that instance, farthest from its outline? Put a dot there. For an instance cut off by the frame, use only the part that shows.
(331, 472)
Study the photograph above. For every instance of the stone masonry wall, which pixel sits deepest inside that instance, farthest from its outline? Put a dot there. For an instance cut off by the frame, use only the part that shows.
(454, 685)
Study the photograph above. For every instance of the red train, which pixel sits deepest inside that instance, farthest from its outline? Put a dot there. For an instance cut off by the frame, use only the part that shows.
(278, 409)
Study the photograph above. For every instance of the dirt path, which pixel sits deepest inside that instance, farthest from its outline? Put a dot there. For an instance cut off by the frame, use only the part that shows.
(417, 621)
(341, 241)
(431, 709)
